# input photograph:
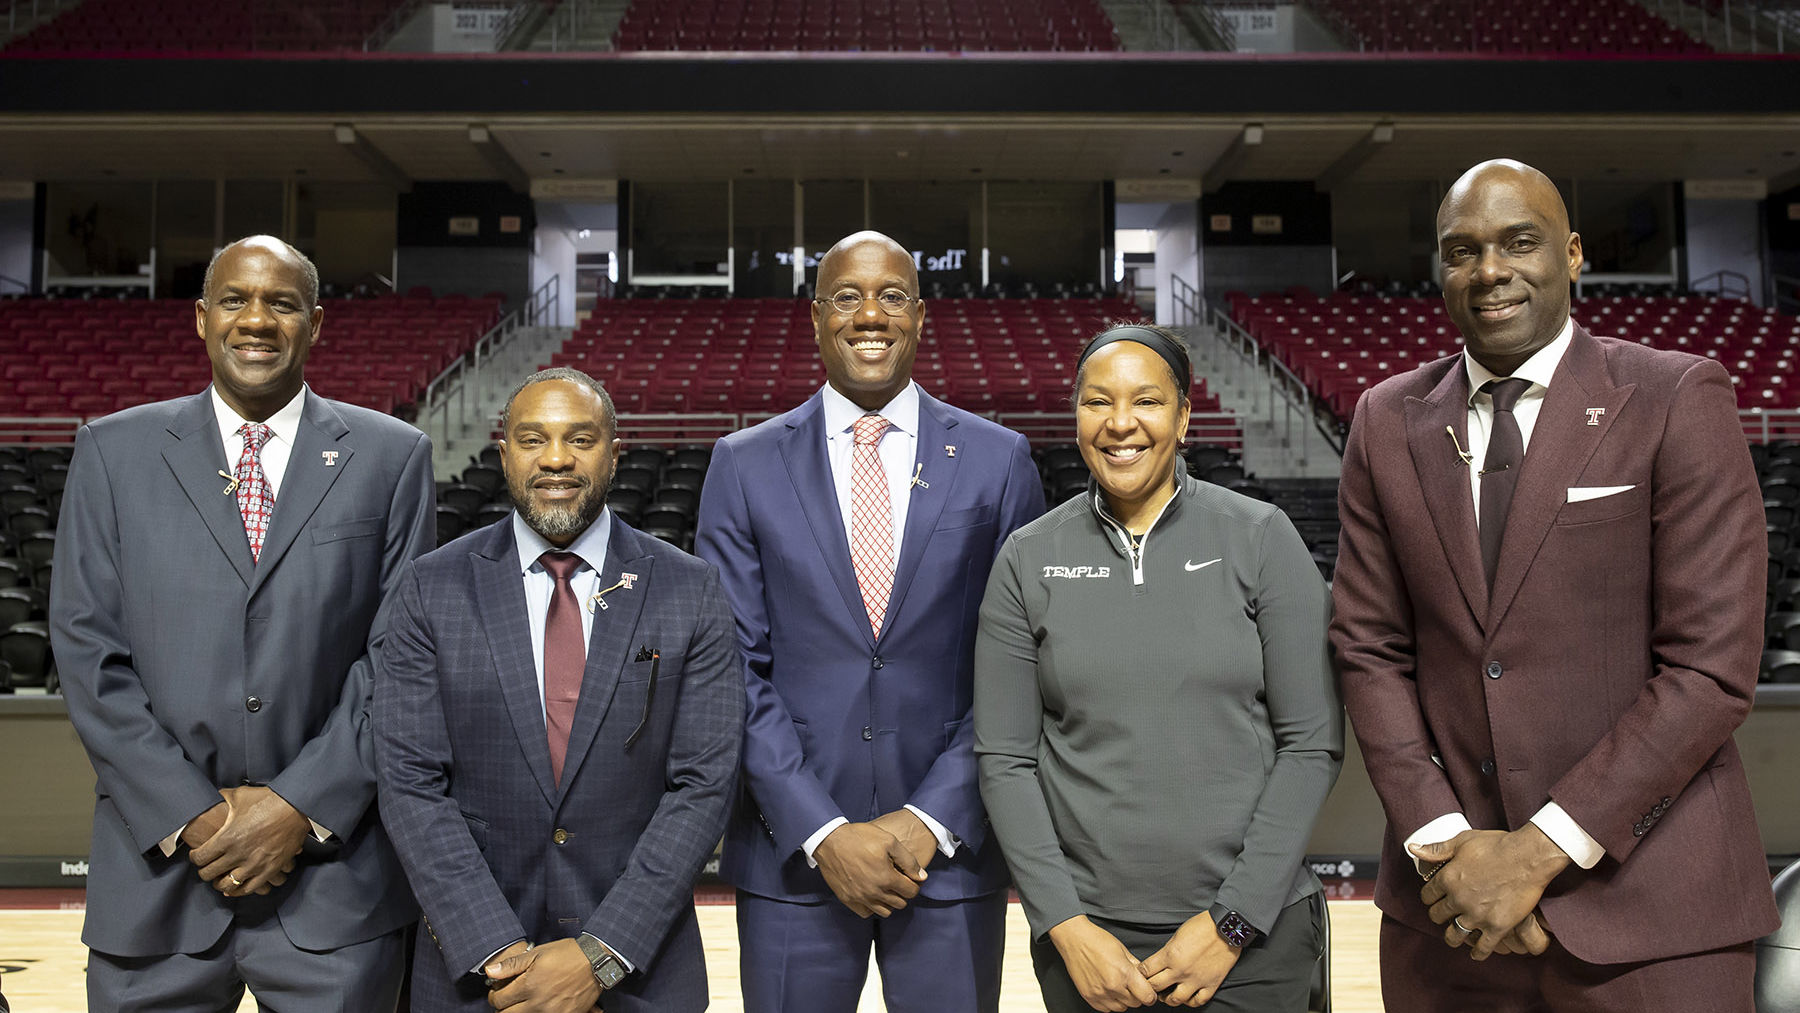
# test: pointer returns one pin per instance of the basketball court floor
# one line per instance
(42, 959)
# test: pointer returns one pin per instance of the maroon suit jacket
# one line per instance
(1608, 668)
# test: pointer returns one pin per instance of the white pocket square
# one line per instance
(1583, 494)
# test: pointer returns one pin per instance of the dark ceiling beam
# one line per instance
(368, 154)
(1366, 147)
(497, 158)
(1232, 159)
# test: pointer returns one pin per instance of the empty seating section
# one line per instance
(205, 25)
(1340, 345)
(757, 356)
(77, 358)
(1603, 26)
(31, 483)
(865, 25)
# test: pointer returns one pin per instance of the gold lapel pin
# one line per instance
(230, 478)
(625, 582)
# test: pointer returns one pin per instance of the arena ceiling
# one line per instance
(663, 147)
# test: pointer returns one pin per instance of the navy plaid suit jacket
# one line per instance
(494, 847)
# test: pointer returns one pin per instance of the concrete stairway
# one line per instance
(580, 25)
(466, 415)
(1148, 26)
(1280, 439)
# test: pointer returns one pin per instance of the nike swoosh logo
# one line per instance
(1192, 566)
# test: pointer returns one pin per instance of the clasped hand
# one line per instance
(247, 843)
(552, 978)
(1491, 881)
(874, 868)
(1187, 971)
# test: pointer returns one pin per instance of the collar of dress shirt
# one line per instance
(285, 422)
(1538, 369)
(590, 545)
(902, 412)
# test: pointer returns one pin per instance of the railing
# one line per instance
(1765, 425)
(39, 428)
(446, 401)
(1209, 15)
(391, 24)
(7, 279)
(1721, 284)
(1787, 293)
(515, 19)
(24, 15)
(1258, 372)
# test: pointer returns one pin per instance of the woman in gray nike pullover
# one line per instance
(1155, 716)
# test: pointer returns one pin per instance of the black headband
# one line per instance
(1169, 351)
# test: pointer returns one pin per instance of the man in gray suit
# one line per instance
(221, 562)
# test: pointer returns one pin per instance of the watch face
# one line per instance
(1235, 930)
(609, 971)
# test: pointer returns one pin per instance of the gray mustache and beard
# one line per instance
(559, 520)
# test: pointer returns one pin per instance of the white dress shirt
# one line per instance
(1556, 824)
(899, 452)
(285, 425)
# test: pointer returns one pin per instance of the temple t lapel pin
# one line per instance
(625, 582)
(1594, 414)
(949, 450)
(330, 457)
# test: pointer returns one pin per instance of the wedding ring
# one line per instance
(1457, 921)
(235, 882)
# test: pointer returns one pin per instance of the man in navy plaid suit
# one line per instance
(557, 724)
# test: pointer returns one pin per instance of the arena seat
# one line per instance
(865, 25)
(1537, 26)
(99, 26)
(71, 357)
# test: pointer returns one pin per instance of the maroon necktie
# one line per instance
(255, 500)
(565, 656)
(1500, 469)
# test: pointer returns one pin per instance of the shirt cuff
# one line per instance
(173, 841)
(629, 967)
(320, 834)
(1436, 832)
(947, 841)
(812, 843)
(481, 968)
(1567, 834)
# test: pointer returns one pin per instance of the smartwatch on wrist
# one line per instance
(1232, 927)
(608, 969)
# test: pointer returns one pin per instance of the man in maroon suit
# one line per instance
(1548, 616)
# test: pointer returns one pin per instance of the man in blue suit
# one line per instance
(854, 536)
(557, 731)
(222, 561)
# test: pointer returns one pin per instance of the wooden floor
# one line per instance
(41, 961)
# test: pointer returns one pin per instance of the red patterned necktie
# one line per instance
(256, 501)
(871, 520)
(565, 656)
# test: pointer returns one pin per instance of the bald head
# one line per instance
(1532, 185)
(309, 274)
(829, 265)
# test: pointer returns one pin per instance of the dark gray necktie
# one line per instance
(1500, 469)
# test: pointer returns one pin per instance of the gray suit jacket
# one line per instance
(497, 849)
(164, 630)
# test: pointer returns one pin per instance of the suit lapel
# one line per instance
(610, 640)
(1561, 444)
(803, 450)
(196, 457)
(500, 591)
(306, 481)
(937, 472)
(1444, 479)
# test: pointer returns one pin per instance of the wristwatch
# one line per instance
(1232, 927)
(608, 969)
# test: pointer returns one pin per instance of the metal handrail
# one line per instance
(40, 9)
(1277, 377)
(497, 347)
(39, 429)
(1763, 425)
(391, 24)
(1720, 278)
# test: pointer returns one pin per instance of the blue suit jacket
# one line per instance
(495, 848)
(842, 723)
(164, 628)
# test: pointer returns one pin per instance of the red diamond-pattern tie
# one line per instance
(256, 501)
(565, 656)
(871, 520)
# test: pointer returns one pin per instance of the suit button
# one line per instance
(875, 662)
(1667, 802)
(561, 836)
(1637, 831)
(1487, 767)
(253, 704)
(1494, 670)
(868, 733)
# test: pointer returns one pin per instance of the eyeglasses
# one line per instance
(892, 301)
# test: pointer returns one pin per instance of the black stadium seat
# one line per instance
(26, 647)
(464, 499)
(451, 524)
(1781, 666)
